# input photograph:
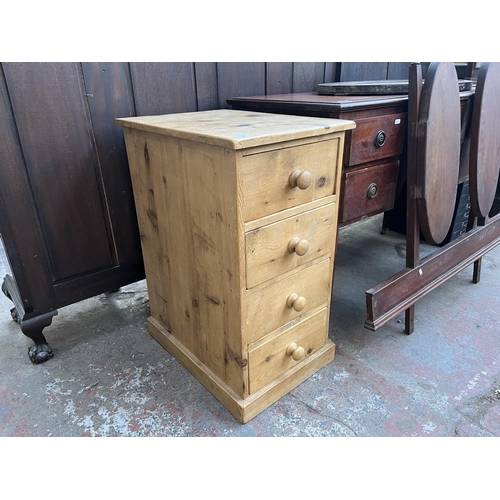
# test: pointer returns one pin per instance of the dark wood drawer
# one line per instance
(368, 191)
(376, 138)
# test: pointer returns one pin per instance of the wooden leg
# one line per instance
(412, 222)
(385, 224)
(32, 328)
(410, 320)
(476, 273)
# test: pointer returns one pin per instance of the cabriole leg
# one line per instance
(33, 328)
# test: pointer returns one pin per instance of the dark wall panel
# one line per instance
(398, 70)
(307, 75)
(54, 129)
(331, 71)
(163, 87)
(206, 85)
(279, 78)
(109, 95)
(237, 79)
(363, 71)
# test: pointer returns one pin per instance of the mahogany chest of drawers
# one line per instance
(238, 219)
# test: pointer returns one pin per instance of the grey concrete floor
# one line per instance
(109, 377)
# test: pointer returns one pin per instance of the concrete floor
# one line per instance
(109, 377)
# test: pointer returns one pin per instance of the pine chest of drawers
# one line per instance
(238, 221)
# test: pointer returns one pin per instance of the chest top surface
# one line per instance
(305, 102)
(314, 100)
(236, 129)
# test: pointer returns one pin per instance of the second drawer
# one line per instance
(285, 245)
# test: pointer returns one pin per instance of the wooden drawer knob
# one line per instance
(295, 351)
(296, 301)
(300, 179)
(300, 247)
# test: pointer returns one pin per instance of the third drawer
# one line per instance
(282, 301)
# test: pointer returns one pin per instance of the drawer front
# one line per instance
(376, 138)
(368, 191)
(276, 180)
(286, 350)
(277, 304)
(283, 246)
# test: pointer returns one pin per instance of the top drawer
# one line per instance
(268, 184)
(376, 138)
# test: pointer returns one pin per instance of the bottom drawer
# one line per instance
(369, 191)
(282, 352)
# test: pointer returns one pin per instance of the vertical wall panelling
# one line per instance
(236, 79)
(163, 87)
(363, 71)
(398, 71)
(307, 75)
(206, 85)
(279, 77)
(109, 96)
(331, 72)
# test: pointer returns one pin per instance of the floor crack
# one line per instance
(314, 410)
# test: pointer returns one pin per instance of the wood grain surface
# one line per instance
(484, 163)
(438, 151)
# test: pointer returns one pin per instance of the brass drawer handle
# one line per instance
(380, 139)
(372, 191)
(296, 301)
(295, 351)
(300, 179)
(300, 247)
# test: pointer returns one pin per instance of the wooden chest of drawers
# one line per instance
(238, 219)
